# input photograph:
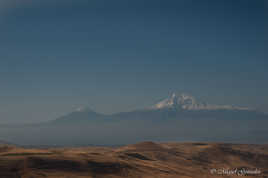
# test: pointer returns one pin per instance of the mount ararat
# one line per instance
(176, 106)
(177, 118)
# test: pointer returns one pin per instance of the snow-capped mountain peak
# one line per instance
(188, 102)
(183, 101)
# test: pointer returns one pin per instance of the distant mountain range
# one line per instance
(174, 107)
(177, 118)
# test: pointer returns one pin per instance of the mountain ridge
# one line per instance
(176, 106)
(178, 123)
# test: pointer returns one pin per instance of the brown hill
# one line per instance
(143, 160)
(149, 146)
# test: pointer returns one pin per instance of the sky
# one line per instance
(122, 55)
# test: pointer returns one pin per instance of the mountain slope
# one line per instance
(80, 116)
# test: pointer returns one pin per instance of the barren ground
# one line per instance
(143, 160)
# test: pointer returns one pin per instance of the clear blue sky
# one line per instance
(122, 55)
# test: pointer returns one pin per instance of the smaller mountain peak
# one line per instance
(83, 109)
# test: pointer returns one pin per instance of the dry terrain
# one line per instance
(143, 160)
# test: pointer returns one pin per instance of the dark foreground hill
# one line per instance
(143, 160)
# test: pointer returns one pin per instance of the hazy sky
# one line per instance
(122, 55)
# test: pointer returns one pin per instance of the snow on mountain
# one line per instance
(83, 109)
(188, 102)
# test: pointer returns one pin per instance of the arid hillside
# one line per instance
(143, 160)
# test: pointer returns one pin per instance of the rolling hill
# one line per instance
(146, 160)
